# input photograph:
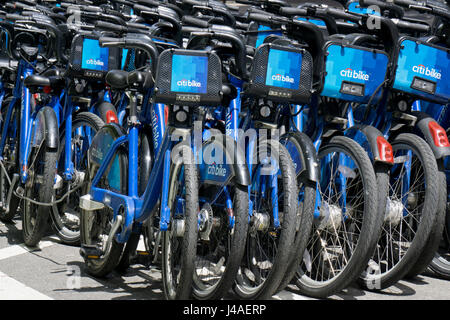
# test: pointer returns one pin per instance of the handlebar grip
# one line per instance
(442, 12)
(19, 5)
(194, 2)
(138, 7)
(110, 26)
(152, 3)
(263, 18)
(111, 42)
(242, 25)
(411, 26)
(288, 11)
(135, 25)
(340, 14)
(406, 3)
(187, 30)
(13, 16)
(195, 22)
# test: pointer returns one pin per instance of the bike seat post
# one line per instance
(133, 140)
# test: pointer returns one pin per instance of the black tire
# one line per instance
(35, 217)
(66, 214)
(440, 264)
(305, 218)
(144, 169)
(432, 244)
(225, 244)
(178, 252)
(95, 226)
(341, 262)
(128, 252)
(260, 275)
(11, 163)
(414, 228)
(92, 227)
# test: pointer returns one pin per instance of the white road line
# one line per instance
(11, 289)
(18, 249)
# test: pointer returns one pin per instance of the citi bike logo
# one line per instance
(279, 77)
(95, 62)
(189, 83)
(354, 74)
(421, 69)
(217, 170)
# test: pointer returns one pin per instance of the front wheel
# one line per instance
(179, 241)
(346, 223)
(38, 189)
(410, 213)
(440, 264)
(271, 232)
(66, 214)
(10, 166)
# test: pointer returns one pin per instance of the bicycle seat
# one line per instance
(117, 79)
(50, 78)
(140, 80)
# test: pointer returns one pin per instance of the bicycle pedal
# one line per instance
(90, 252)
(144, 258)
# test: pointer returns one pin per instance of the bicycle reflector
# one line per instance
(385, 150)
(439, 135)
(111, 117)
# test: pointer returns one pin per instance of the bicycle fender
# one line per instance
(368, 137)
(232, 163)
(51, 128)
(107, 112)
(429, 129)
(303, 154)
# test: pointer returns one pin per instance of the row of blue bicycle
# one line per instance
(240, 147)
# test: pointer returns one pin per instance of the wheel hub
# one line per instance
(259, 222)
(205, 217)
(394, 212)
(331, 216)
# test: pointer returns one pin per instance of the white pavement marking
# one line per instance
(11, 289)
(17, 249)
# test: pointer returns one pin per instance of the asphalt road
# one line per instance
(56, 271)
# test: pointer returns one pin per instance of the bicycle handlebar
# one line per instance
(127, 43)
(196, 22)
(411, 26)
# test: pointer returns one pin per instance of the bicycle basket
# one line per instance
(353, 73)
(282, 74)
(89, 60)
(189, 78)
(423, 70)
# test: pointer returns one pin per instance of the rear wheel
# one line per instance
(96, 225)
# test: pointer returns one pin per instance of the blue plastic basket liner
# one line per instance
(264, 32)
(423, 70)
(354, 74)
(93, 56)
